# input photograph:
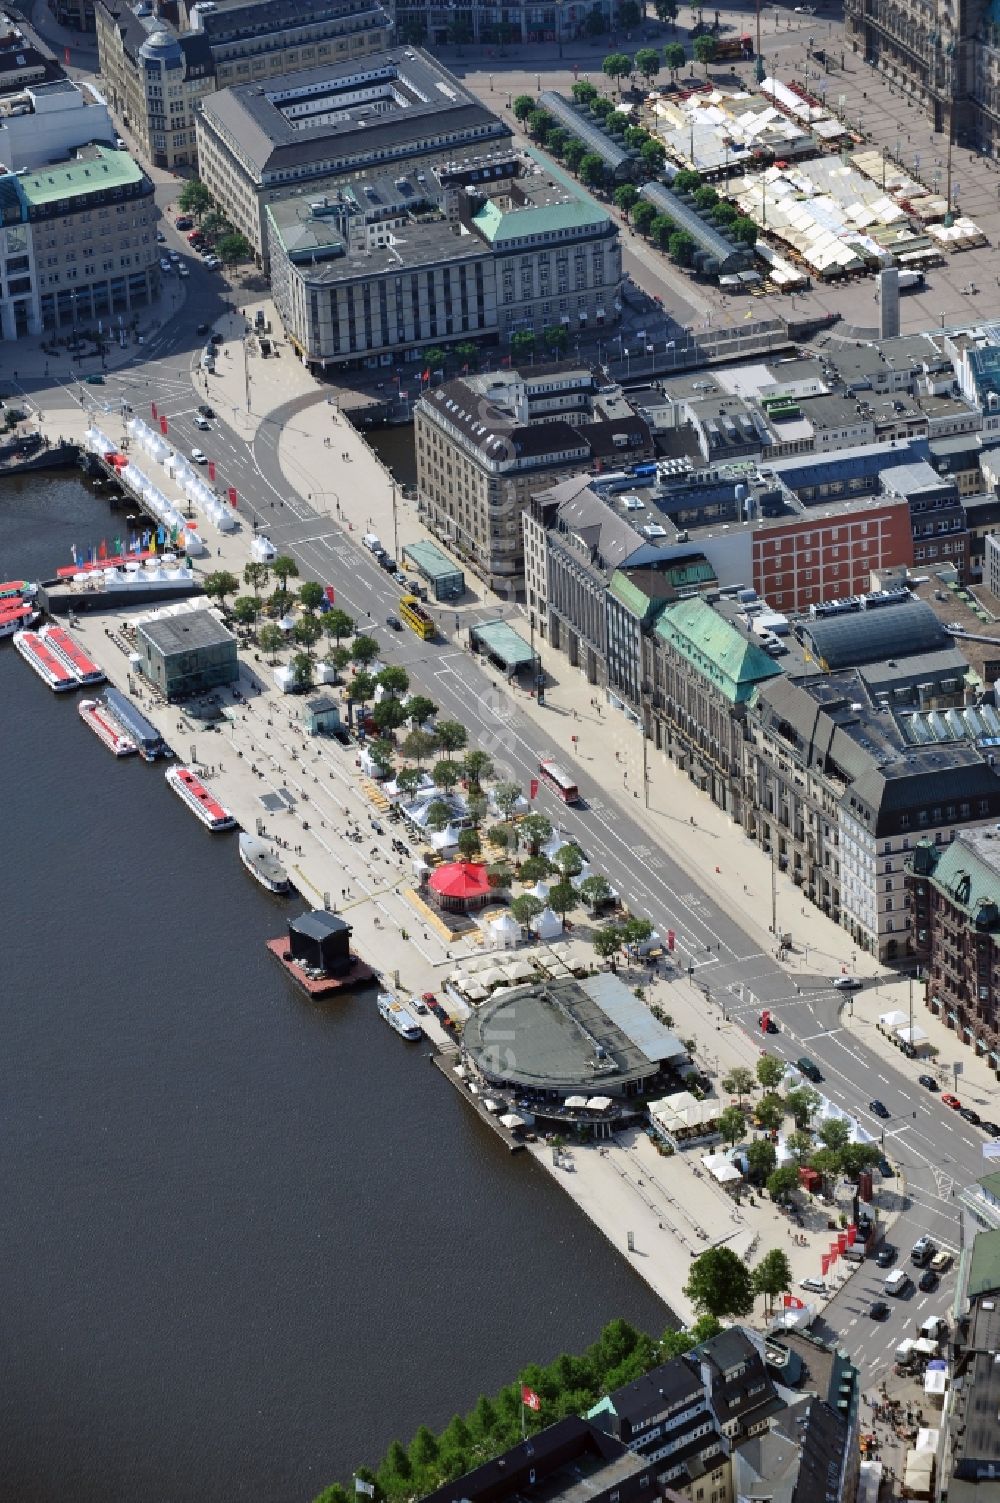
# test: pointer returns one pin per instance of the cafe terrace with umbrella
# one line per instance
(583, 1052)
(459, 886)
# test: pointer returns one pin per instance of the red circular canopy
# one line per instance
(460, 879)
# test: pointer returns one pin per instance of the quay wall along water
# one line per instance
(210, 1183)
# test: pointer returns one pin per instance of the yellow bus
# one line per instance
(416, 618)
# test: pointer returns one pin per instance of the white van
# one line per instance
(371, 542)
(897, 1283)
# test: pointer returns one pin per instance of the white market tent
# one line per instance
(683, 1113)
(722, 1170)
(599, 1103)
(575, 1103)
(505, 932)
(889, 1021)
(540, 891)
(546, 924)
(511, 1121)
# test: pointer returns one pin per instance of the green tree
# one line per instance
(338, 659)
(424, 1450)
(642, 216)
(732, 1124)
(364, 650)
(361, 688)
(607, 940)
(499, 837)
(445, 774)
(803, 1103)
(636, 931)
(284, 568)
(772, 1276)
(719, 1284)
(409, 780)
(468, 840)
(782, 1182)
(744, 229)
(661, 230)
(215, 223)
(770, 1071)
(636, 138)
(534, 830)
(477, 767)
(625, 197)
(233, 247)
(539, 124)
(271, 639)
(705, 48)
(255, 577)
(602, 108)
(592, 170)
(854, 1157)
(311, 594)
(451, 736)
(681, 248)
(525, 907)
(535, 869)
(556, 142)
(334, 1494)
(687, 181)
(438, 815)
(382, 753)
(629, 14)
(739, 1082)
(800, 1145)
(505, 796)
(220, 584)
(647, 62)
(674, 56)
(562, 899)
(394, 680)
(419, 745)
(523, 106)
(762, 1156)
(574, 154)
(245, 609)
(834, 1134)
(568, 860)
(556, 338)
(388, 714)
(705, 198)
(595, 891)
(770, 1112)
(724, 214)
(419, 709)
(302, 671)
(666, 10)
(338, 624)
(396, 1468)
(826, 1162)
(468, 353)
(583, 93)
(307, 632)
(653, 157)
(522, 344)
(194, 198)
(617, 65)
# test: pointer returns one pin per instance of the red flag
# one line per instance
(825, 1263)
(66, 56)
(155, 413)
(232, 495)
(529, 1398)
(671, 940)
(834, 1253)
(163, 426)
(330, 593)
(852, 1235)
(426, 375)
(211, 470)
(841, 1242)
(792, 1302)
(102, 551)
(533, 789)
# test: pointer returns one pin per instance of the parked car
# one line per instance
(202, 329)
(217, 339)
(95, 380)
(949, 1100)
(166, 265)
(992, 1128)
(161, 238)
(928, 1082)
(878, 1108)
(928, 1281)
(212, 262)
(968, 1115)
(185, 222)
(182, 271)
(174, 256)
(815, 1286)
(847, 983)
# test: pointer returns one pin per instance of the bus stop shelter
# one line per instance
(442, 574)
(503, 646)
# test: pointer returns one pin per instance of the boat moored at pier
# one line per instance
(399, 1017)
(50, 669)
(263, 865)
(199, 798)
(15, 615)
(93, 713)
(61, 642)
(134, 725)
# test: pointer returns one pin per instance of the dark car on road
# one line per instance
(206, 411)
(809, 1068)
(928, 1082)
(928, 1281)
(878, 1108)
(879, 1310)
(886, 1255)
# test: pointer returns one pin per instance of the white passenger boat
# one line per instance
(398, 1018)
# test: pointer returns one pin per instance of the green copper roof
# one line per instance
(720, 652)
(970, 882)
(634, 599)
(90, 174)
(984, 1266)
(497, 225)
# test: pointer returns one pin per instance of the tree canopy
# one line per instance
(719, 1284)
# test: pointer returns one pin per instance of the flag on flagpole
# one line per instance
(792, 1302)
(426, 375)
(533, 789)
(361, 1486)
(152, 543)
(529, 1398)
(102, 549)
(852, 1234)
(73, 554)
(159, 536)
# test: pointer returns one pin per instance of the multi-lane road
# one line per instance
(934, 1151)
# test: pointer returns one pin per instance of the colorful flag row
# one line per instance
(139, 542)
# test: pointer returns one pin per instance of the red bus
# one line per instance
(559, 780)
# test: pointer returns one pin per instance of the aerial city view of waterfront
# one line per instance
(502, 918)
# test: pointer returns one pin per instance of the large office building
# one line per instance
(315, 129)
(156, 74)
(441, 23)
(46, 122)
(78, 241)
(486, 444)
